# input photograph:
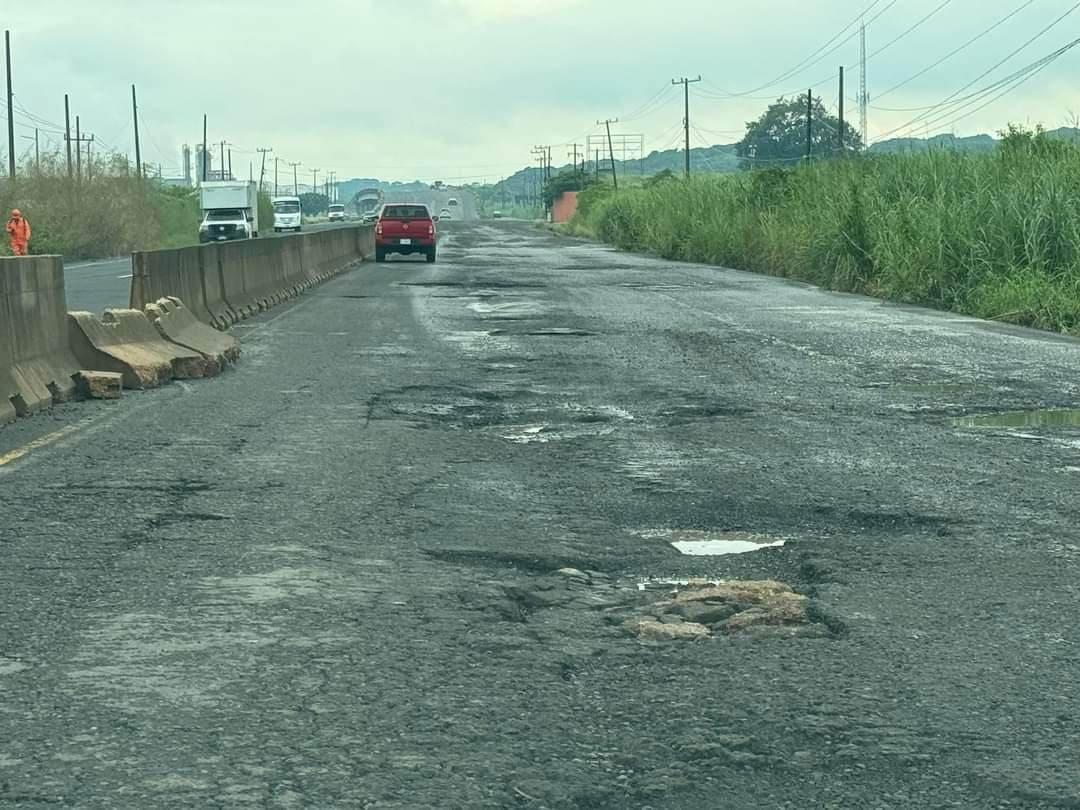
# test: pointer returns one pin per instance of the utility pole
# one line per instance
(10, 107)
(295, 183)
(864, 98)
(611, 149)
(685, 82)
(135, 118)
(262, 169)
(204, 157)
(315, 181)
(78, 151)
(276, 161)
(37, 150)
(67, 132)
(230, 164)
(809, 125)
(841, 135)
(89, 160)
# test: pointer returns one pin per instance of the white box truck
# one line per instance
(288, 215)
(230, 211)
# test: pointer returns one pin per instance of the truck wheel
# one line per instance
(431, 256)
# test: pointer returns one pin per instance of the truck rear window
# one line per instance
(405, 212)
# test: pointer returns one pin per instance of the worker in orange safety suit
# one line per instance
(18, 229)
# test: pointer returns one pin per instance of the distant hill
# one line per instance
(973, 143)
(712, 159)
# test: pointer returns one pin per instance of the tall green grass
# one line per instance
(995, 236)
(107, 213)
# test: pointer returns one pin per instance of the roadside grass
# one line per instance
(995, 236)
(108, 213)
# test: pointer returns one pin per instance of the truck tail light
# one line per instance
(378, 229)
(431, 229)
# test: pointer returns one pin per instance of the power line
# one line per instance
(951, 105)
(954, 52)
(809, 62)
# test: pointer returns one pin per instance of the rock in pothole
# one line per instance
(752, 607)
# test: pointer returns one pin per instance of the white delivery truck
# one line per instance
(230, 211)
(287, 214)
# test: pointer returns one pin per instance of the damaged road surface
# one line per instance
(545, 525)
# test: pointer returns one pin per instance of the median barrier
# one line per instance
(221, 315)
(36, 366)
(230, 281)
(176, 323)
(158, 273)
(124, 341)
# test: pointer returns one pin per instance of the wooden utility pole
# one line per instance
(78, 151)
(315, 181)
(276, 161)
(295, 182)
(611, 149)
(205, 159)
(841, 131)
(685, 82)
(262, 169)
(135, 118)
(10, 107)
(809, 125)
(67, 132)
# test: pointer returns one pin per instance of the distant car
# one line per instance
(405, 229)
(445, 214)
(371, 216)
(497, 214)
(337, 212)
(452, 202)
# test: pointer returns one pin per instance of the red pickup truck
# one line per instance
(405, 228)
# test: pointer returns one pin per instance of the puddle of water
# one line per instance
(1021, 419)
(697, 543)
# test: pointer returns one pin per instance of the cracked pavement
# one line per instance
(331, 576)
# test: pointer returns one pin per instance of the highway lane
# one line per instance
(331, 576)
(94, 286)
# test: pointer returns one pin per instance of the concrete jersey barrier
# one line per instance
(124, 341)
(178, 325)
(36, 365)
(223, 283)
(156, 274)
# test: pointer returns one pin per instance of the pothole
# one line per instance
(759, 608)
(697, 543)
(1021, 419)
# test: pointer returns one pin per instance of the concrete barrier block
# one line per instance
(36, 366)
(99, 384)
(178, 325)
(124, 341)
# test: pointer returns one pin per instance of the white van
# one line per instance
(287, 215)
(337, 212)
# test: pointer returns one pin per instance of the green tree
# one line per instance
(312, 204)
(566, 180)
(778, 137)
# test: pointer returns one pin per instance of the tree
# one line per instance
(778, 137)
(566, 180)
(312, 204)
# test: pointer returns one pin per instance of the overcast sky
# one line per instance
(463, 89)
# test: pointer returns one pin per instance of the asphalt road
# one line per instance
(97, 285)
(328, 577)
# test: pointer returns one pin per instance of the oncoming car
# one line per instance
(337, 212)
